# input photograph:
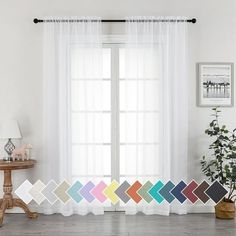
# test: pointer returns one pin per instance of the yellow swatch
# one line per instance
(109, 192)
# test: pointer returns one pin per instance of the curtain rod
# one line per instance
(36, 21)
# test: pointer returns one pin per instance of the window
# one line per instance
(138, 116)
(91, 116)
(124, 109)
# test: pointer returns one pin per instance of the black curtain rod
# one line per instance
(193, 20)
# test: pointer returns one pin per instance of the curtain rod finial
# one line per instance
(36, 21)
(194, 20)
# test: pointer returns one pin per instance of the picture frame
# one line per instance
(215, 84)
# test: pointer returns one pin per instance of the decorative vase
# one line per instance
(28, 153)
(225, 210)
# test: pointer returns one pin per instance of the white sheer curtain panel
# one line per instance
(71, 127)
(155, 116)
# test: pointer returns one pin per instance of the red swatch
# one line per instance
(188, 191)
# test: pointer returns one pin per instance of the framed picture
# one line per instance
(215, 84)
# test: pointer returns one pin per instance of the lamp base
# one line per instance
(9, 147)
(9, 159)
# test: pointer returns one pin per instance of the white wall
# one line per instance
(213, 38)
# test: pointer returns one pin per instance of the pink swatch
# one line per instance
(97, 191)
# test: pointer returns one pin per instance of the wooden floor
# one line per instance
(118, 224)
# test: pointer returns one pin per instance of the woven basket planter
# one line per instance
(225, 210)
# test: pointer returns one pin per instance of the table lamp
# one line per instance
(9, 129)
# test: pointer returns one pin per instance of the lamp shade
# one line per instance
(9, 129)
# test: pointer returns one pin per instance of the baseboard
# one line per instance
(191, 209)
(201, 209)
(14, 210)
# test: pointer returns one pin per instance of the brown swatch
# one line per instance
(200, 191)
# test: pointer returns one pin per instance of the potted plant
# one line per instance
(221, 165)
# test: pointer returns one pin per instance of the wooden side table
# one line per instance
(8, 202)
